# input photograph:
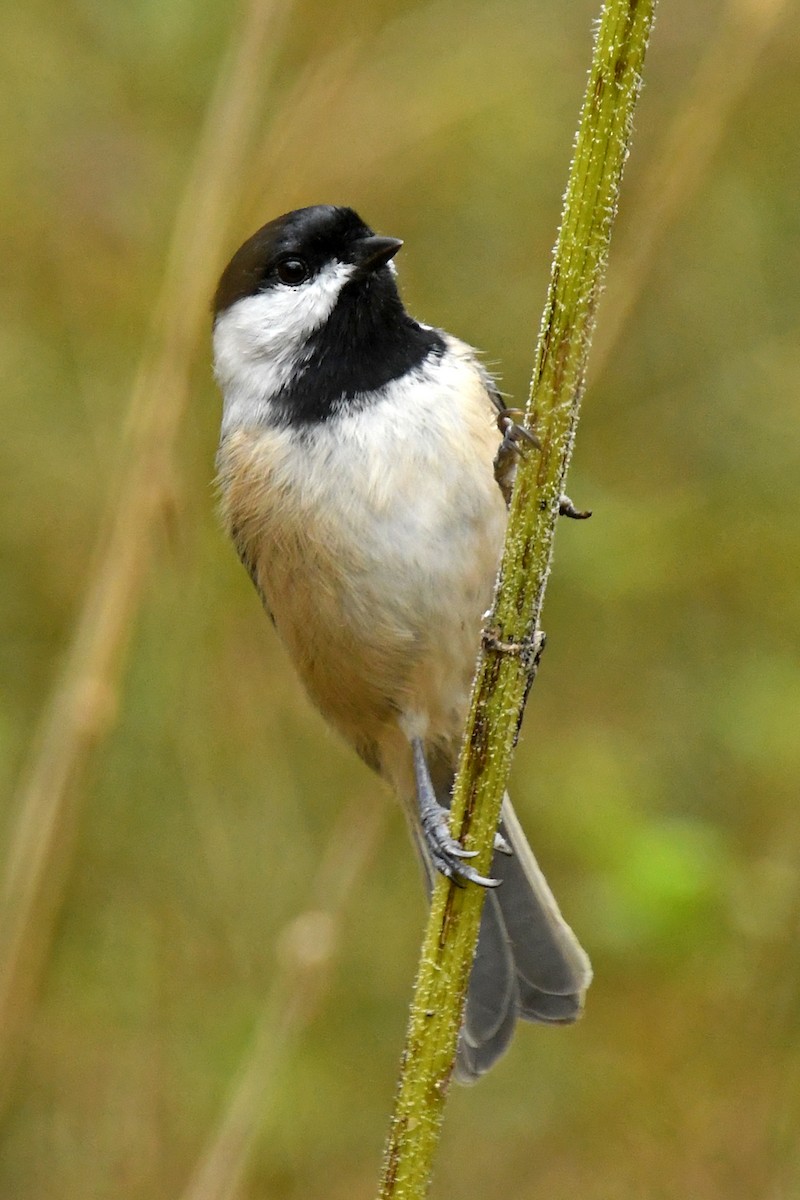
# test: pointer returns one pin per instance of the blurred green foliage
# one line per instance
(658, 772)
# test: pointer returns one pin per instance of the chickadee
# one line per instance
(358, 482)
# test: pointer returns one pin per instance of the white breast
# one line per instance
(375, 538)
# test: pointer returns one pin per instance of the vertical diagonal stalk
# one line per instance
(83, 703)
(512, 643)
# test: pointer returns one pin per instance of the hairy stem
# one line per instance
(512, 642)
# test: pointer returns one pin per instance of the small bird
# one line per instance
(363, 469)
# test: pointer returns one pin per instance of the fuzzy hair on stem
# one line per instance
(503, 679)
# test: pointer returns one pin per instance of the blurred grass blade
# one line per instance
(306, 950)
(83, 704)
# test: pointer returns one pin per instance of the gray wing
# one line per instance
(528, 965)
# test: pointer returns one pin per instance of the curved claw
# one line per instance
(483, 881)
(567, 509)
(448, 856)
(501, 845)
(445, 852)
(461, 873)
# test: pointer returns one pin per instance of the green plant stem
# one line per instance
(511, 642)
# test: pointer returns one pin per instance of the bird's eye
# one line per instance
(292, 271)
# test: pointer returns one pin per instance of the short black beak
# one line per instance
(370, 253)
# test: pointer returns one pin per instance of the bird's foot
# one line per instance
(515, 435)
(567, 509)
(516, 439)
(447, 855)
(529, 649)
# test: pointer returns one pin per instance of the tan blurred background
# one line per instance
(211, 916)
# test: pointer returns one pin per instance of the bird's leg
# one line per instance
(515, 437)
(512, 447)
(446, 854)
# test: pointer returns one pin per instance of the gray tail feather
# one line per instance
(529, 965)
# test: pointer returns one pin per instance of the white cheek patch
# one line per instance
(260, 341)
